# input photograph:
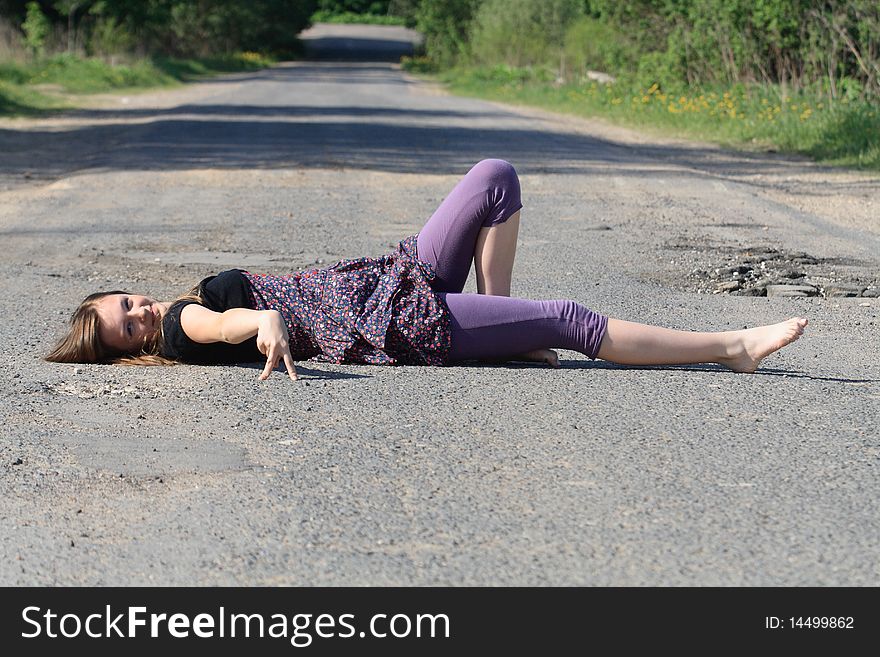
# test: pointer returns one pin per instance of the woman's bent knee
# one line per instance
(498, 172)
(501, 184)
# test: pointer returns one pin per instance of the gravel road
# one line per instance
(594, 474)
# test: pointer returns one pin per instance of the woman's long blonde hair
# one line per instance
(82, 343)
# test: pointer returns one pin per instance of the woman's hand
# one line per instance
(272, 343)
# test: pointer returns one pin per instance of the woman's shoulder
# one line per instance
(225, 290)
(224, 278)
(218, 292)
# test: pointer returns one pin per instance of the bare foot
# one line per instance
(540, 356)
(750, 346)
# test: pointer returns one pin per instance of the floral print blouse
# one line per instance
(370, 310)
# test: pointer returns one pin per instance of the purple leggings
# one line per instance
(486, 326)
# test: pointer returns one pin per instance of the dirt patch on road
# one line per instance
(761, 270)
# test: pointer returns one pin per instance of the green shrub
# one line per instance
(445, 24)
(36, 28)
(419, 64)
(590, 44)
(109, 37)
(660, 68)
(521, 32)
(187, 27)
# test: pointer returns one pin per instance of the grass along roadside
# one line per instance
(758, 117)
(29, 88)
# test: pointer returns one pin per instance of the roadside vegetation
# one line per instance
(795, 76)
(50, 50)
(46, 84)
(370, 12)
(759, 117)
(789, 75)
(351, 17)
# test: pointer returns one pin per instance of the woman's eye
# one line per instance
(128, 327)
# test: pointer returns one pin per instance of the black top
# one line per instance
(228, 289)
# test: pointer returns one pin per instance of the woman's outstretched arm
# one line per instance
(236, 325)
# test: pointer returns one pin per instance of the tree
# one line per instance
(69, 8)
(36, 28)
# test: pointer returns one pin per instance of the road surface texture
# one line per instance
(481, 474)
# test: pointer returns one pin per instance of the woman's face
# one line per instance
(127, 321)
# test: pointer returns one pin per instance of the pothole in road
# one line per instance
(763, 270)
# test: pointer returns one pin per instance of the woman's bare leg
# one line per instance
(494, 254)
(629, 343)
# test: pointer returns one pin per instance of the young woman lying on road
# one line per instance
(406, 307)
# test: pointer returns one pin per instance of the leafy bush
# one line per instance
(445, 24)
(109, 37)
(185, 27)
(521, 32)
(592, 45)
(419, 64)
(36, 28)
(795, 43)
(661, 68)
